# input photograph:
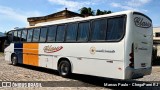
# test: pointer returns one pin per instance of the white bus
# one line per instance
(117, 45)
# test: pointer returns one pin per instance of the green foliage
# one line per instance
(89, 12)
(99, 12)
(86, 11)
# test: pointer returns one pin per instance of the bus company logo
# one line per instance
(139, 22)
(92, 50)
(51, 49)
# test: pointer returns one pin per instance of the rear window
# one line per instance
(157, 34)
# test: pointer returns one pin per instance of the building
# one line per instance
(156, 35)
(52, 17)
(156, 41)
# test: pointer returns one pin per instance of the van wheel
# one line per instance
(14, 60)
(64, 68)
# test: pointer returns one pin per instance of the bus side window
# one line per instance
(36, 35)
(71, 32)
(24, 36)
(51, 34)
(83, 31)
(43, 34)
(10, 36)
(15, 39)
(115, 29)
(19, 36)
(99, 29)
(29, 35)
(60, 33)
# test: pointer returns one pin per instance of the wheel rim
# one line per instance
(64, 69)
(14, 60)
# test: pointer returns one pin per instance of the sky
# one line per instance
(14, 13)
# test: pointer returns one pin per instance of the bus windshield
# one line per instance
(8, 39)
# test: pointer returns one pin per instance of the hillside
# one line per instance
(1, 34)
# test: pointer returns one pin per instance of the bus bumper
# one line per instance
(137, 73)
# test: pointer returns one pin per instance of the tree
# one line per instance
(99, 12)
(83, 10)
(86, 11)
(109, 12)
(89, 12)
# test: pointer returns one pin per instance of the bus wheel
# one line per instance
(64, 68)
(14, 60)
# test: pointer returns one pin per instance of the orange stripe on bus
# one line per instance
(30, 56)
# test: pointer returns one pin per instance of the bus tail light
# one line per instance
(132, 57)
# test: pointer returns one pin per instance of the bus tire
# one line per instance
(64, 68)
(14, 60)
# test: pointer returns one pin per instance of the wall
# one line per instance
(155, 30)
